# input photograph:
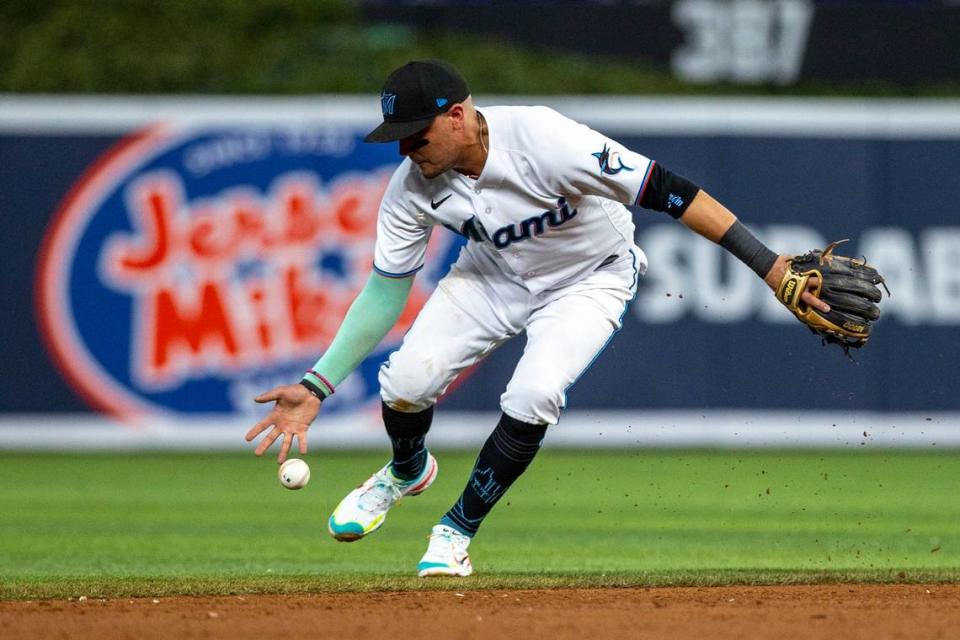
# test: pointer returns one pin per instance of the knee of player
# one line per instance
(533, 403)
(406, 388)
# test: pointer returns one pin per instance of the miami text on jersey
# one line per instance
(472, 229)
(534, 225)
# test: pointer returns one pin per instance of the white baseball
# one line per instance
(294, 473)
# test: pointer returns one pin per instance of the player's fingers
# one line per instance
(285, 447)
(302, 440)
(268, 441)
(268, 396)
(815, 302)
(256, 429)
(809, 298)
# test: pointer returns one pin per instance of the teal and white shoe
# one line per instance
(446, 554)
(364, 509)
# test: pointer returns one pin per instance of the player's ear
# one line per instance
(458, 115)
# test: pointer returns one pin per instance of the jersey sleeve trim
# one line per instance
(388, 274)
(643, 185)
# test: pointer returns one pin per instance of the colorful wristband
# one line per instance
(319, 382)
(314, 389)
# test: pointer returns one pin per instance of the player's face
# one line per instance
(434, 149)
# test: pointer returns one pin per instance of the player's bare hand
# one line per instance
(776, 273)
(290, 418)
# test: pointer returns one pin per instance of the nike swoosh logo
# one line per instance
(436, 205)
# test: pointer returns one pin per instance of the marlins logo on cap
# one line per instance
(387, 102)
(414, 95)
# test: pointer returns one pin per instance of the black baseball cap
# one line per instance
(414, 95)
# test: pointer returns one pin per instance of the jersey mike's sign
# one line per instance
(190, 269)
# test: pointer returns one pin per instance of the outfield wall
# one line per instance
(105, 319)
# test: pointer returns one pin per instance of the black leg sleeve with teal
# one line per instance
(408, 432)
(504, 457)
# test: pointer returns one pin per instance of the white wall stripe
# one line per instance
(781, 117)
(593, 429)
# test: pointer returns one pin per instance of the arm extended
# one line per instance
(371, 316)
(713, 221)
(699, 211)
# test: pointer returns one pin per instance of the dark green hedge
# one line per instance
(288, 46)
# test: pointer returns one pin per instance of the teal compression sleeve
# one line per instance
(371, 316)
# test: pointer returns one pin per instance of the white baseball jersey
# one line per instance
(546, 210)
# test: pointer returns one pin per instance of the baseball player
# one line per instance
(550, 251)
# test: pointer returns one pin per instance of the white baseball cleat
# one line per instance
(446, 555)
(365, 508)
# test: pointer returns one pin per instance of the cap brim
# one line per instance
(393, 131)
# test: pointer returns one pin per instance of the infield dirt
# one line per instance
(834, 611)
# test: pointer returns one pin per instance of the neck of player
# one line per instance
(474, 156)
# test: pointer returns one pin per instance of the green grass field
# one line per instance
(159, 524)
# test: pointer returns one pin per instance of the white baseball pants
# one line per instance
(476, 308)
